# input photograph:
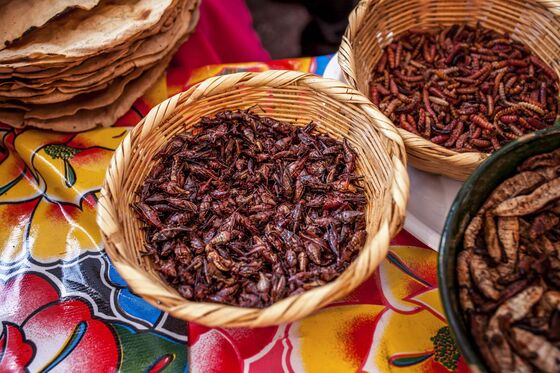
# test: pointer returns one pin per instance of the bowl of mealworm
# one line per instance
(499, 259)
(460, 79)
(254, 199)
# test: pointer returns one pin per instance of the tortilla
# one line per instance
(148, 52)
(99, 93)
(25, 79)
(88, 101)
(52, 67)
(88, 119)
(84, 33)
(101, 86)
(19, 16)
(97, 98)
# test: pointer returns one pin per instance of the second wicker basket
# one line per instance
(374, 24)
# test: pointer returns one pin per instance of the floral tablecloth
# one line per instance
(63, 306)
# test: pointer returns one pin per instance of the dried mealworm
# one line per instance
(482, 122)
(464, 278)
(491, 238)
(521, 183)
(544, 355)
(508, 233)
(527, 204)
(482, 277)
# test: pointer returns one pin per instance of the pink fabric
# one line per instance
(224, 34)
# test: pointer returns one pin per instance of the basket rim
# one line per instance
(346, 60)
(390, 221)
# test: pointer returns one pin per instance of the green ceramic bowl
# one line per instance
(500, 166)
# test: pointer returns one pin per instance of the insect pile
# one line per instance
(509, 270)
(465, 88)
(247, 210)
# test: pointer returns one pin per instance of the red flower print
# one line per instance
(43, 332)
(230, 350)
(15, 351)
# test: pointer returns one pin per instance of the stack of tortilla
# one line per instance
(72, 65)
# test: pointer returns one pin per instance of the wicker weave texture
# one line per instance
(374, 24)
(285, 95)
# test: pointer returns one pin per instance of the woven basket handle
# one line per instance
(345, 55)
(274, 79)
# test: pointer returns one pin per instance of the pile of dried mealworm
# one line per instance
(509, 270)
(465, 88)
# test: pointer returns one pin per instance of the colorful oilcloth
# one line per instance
(63, 306)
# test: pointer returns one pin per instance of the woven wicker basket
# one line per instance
(374, 24)
(285, 95)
